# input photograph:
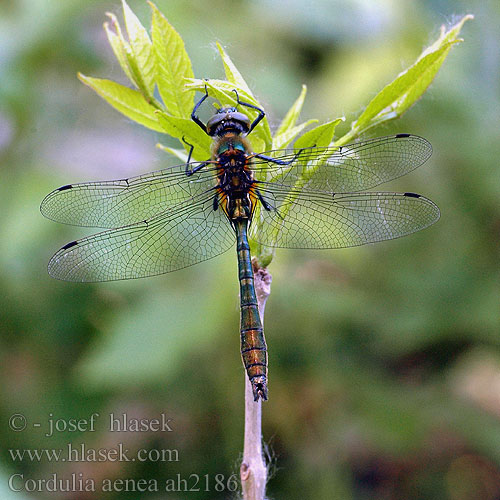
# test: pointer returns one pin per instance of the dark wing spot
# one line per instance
(402, 135)
(69, 245)
(412, 195)
(63, 188)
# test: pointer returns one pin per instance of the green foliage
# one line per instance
(164, 63)
(321, 136)
(394, 99)
(128, 101)
(171, 60)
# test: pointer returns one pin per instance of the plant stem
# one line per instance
(253, 470)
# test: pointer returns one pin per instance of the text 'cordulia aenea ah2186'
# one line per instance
(174, 218)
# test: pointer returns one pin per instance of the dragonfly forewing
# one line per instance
(355, 167)
(111, 204)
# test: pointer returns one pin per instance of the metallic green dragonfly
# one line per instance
(173, 218)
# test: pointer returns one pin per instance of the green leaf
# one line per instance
(222, 90)
(409, 85)
(119, 45)
(288, 135)
(320, 136)
(232, 73)
(187, 129)
(293, 113)
(258, 145)
(127, 101)
(172, 66)
(448, 36)
(141, 59)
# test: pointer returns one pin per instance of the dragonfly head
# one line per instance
(228, 119)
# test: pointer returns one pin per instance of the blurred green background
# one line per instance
(384, 359)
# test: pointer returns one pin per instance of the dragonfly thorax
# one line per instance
(229, 146)
(234, 177)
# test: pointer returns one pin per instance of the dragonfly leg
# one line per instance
(265, 204)
(191, 147)
(195, 109)
(279, 162)
(191, 171)
(248, 105)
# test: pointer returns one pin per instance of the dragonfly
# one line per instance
(173, 218)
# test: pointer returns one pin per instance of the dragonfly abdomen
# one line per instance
(253, 344)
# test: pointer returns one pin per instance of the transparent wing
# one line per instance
(194, 232)
(308, 219)
(110, 204)
(355, 167)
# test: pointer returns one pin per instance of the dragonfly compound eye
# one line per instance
(228, 118)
